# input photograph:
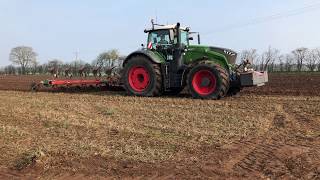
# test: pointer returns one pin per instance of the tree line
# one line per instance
(24, 61)
(300, 59)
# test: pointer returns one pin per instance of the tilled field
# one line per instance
(19, 83)
(279, 84)
(106, 134)
(289, 84)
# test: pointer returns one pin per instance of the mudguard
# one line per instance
(152, 55)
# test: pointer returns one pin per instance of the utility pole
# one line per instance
(156, 16)
(77, 55)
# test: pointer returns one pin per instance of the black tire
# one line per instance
(154, 87)
(221, 76)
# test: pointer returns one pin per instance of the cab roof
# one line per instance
(164, 27)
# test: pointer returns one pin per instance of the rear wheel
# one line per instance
(142, 77)
(208, 81)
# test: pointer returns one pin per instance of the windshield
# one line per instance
(161, 37)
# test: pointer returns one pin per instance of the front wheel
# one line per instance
(208, 81)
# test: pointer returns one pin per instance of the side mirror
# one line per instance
(190, 38)
(199, 38)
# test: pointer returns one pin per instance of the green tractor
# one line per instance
(169, 64)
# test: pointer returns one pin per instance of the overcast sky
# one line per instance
(59, 28)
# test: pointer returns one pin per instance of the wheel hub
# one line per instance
(205, 82)
(140, 78)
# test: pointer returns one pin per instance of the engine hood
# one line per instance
(230, 54)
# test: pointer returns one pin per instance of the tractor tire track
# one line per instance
(256, 160)
(270, 157)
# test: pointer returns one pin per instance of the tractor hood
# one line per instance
(230, 54)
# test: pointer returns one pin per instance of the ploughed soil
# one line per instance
(95, 135)
(289, 84)
(279, 84)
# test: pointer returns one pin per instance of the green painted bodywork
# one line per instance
(157, 56)
(151, 54)
(192, 54)
(197, 52)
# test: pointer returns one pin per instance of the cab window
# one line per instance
(161, 37)
(184, 38)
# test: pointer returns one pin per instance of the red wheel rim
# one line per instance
(204, 82)
(139, 78)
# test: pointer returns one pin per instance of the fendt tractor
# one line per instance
(169, 64)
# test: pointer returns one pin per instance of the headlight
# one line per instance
(229, 53)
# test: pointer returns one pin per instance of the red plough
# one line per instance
(80, 83)
(72, 82)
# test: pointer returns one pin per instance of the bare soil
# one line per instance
(97, 135)
(289, 84)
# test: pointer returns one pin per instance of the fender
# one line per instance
(153, 56)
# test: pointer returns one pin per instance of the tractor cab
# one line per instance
(166, 36)
(165, 39)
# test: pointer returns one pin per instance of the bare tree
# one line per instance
(269, 57)
(76, 65)
(281, 63)
(97, 62)
(10, 69)
(121, 60)
(113, 56)
(250, 55)
(289, 62)
(97, 65)
(300, 55)
(34, 67)
(311, 59)
(317, 51)
(41, 69)
(84, 70)
(55, 66)
(261, 61)
(108, 58)
(102, 61)
(23, 56)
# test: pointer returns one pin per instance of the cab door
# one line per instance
(162, 42)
